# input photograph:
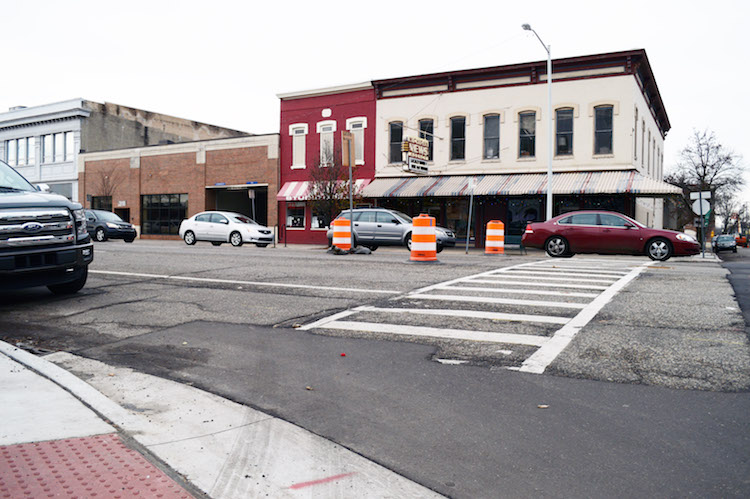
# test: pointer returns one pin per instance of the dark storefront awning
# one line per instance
(524, 184)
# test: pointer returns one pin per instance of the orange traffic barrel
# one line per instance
(423, 239)
(494, 242)
(342, 234)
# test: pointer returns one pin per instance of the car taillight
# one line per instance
(529, 230)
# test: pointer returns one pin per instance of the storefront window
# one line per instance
(162, 213)
(320, 220)
(295, 215)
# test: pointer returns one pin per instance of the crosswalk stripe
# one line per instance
(475, 314)
(432, 332)
(502, 301)
(583, 270)
(541, 284)
(567, 274)
(530, 275)
(524, 291)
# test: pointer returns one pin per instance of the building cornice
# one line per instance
(354, 87)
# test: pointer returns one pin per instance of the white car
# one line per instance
(222, 226)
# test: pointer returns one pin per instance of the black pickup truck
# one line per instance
(43, 238)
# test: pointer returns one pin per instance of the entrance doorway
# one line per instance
(251, 202)
(123, 213)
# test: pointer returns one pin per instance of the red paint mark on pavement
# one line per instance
(302, 485)
(93, 467)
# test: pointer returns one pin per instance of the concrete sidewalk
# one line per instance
(121, 433)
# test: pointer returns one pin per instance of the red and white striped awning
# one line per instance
(604, 182)
(299, 191)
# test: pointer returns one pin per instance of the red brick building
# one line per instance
(310, 138)
(156, 187)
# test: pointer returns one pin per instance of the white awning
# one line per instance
(605, 182)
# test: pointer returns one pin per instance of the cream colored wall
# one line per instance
(582, 95)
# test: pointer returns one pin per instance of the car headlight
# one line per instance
(111, 225)
(685, 237)
(80, 218)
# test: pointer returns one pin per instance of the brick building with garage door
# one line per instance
(156, 187)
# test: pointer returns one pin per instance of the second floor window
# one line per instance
(426, 131)
(492, 136)
(603, 130)
(564, 142)
(299, 134)
(458, 138)
(395, 136)
(326, 129)
(358, 129)
(57, 147)
(527, 135)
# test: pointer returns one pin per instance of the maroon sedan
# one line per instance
(606, 232)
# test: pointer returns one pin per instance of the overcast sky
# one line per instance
(223, 62)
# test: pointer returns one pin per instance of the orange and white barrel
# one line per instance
(494, 242)
(423, 239)
(342, 234)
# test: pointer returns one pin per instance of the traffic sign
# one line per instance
(700, 195)
(701, 206)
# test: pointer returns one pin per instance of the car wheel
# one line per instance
(70, 287)
(189, 238)
(408, 241)
(659, 249)
(129, 240)
(556, 246)
(439, 248)
(100, 235)
(261, 245)
(236, 239)
(734, 250)
(216, 243)
(373, 247)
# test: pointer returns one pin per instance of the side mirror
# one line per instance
(395, 221)
(42, 187)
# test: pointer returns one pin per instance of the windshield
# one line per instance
(12, 180)
(726, 238)
(404, 217)
(244, 220)
(108, 216)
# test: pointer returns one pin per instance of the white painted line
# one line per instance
(248, 283)
(326, 320)
(460, 279)
(503, 301)
(541, 284)
(544, 272)
(452, 362)
(583, 269)
(542, 358)
(525, 291)
(433, 332)
(475, 314)
(530, 275)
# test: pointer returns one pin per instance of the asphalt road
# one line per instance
(470, 430)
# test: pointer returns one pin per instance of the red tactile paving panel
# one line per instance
(100, 466)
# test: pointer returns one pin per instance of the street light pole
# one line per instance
(550, 135)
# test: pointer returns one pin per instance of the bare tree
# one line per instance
(706, 165)
(329, 189)
(108, 180)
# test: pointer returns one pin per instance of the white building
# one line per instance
(491, 125)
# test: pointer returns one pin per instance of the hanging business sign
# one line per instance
(417, 154)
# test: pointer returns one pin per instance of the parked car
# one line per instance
(374, 227)
(725, 242)
(220, 227)
(102, 225)
(606, 232)
(43, 238)
(741, 240)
